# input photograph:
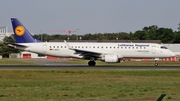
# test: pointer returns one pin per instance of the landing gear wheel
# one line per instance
(91, 63)
(156, 64)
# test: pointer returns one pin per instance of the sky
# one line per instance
(90, 16)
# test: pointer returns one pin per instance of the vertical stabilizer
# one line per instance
(21, 34)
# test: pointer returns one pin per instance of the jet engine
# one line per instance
(111, 58)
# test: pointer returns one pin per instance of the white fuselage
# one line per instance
(122, 50)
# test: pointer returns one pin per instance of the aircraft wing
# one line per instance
(88, 54)
(85, 53)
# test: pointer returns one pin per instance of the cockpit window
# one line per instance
(163, 47)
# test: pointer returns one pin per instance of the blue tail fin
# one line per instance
(21, 34)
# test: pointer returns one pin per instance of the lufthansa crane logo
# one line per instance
(19, 30)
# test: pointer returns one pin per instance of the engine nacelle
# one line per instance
(111, 58)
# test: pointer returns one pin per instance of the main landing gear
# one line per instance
(92, 62)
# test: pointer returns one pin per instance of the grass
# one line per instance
(96, 85)
(16, 62)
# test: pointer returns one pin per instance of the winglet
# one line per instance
(67, 44)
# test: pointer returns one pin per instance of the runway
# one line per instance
(85, 67)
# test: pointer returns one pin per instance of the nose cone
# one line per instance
(171, 54)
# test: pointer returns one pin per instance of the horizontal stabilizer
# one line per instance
(16, 45)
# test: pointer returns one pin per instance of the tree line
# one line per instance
(166, 35)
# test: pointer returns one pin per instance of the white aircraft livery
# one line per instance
(107, 52)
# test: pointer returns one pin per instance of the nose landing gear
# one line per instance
(155, 63)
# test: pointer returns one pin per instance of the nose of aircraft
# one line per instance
(171, 54)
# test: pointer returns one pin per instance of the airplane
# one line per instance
(107, 52)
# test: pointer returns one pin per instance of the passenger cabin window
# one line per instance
(163, 47)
